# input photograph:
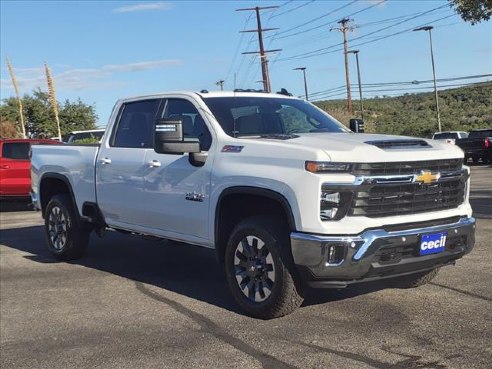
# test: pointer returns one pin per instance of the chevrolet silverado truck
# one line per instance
(287, 196)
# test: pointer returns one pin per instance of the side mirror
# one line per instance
(168, 138)
(357, 125)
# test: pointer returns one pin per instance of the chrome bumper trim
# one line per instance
(311, 251)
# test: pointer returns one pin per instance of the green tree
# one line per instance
(8, 128)
(462, 109)
(39, 119)
(473, 11)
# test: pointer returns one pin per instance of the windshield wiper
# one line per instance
(275, 136)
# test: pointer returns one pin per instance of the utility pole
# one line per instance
(436, 97)
(19, 100)
(356, 52)
(305, 82)
(344, 27)
(262, 52)
(221, 84)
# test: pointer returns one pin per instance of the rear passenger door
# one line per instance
(121, 167)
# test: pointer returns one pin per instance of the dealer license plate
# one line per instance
(433, 243)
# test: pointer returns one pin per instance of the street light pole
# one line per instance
(356, 52)
(305, 81)
(429, 28)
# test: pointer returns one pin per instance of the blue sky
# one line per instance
(104, 50)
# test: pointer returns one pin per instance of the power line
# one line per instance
(333, 20)
(402, 83)
(325, 51)
(314, 20)
(319, 51)
(291, 10)
(335, 94)
(237, 49)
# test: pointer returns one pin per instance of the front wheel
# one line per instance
(66, 240)
(259, 270)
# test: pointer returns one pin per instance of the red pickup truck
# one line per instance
(15, 166)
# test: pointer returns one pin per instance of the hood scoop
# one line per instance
(398, 144)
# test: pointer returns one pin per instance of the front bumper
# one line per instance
(337, 261)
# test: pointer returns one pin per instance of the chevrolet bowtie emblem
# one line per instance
(427, 177)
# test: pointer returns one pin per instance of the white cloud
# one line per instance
(79, 79)
(143, 7)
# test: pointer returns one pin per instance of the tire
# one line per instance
(476, 159)
(66, 239)
(416, 280)
(258, 259)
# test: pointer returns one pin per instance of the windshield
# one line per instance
(260, 116)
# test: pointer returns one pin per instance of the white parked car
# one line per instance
(450, 136)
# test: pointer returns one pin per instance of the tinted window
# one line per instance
(480, 134)
(16, 150)
(135, 124)
(193, 124)
(256, 116)
(444, 136)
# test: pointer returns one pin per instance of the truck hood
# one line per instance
(367, 148)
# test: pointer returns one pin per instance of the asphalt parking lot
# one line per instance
(135, 303)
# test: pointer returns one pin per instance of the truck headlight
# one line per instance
(327, 167)
(334, 204)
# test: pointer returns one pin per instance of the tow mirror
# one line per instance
(357, 125)
(168, 138)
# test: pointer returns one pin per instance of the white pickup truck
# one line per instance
(287, 196)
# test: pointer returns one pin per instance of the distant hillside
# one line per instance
(462, 109)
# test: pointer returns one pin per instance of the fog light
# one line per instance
(336, 254)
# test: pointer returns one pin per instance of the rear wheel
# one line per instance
(66, 240)
(259, 270)
(416, 280)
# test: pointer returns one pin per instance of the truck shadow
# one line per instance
(481, 202)
(190, 271)
(8, 206)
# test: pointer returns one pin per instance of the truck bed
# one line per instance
(75, 162)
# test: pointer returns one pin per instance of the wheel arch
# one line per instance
(251, 201)
(52, 184)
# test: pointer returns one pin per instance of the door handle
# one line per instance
(105, 161)
(4, 166)
(155, 164)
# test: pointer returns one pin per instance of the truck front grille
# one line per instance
(382, 200)
(402, 168)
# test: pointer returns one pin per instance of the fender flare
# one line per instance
(249, 190)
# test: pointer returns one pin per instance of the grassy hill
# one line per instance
(461, 109)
